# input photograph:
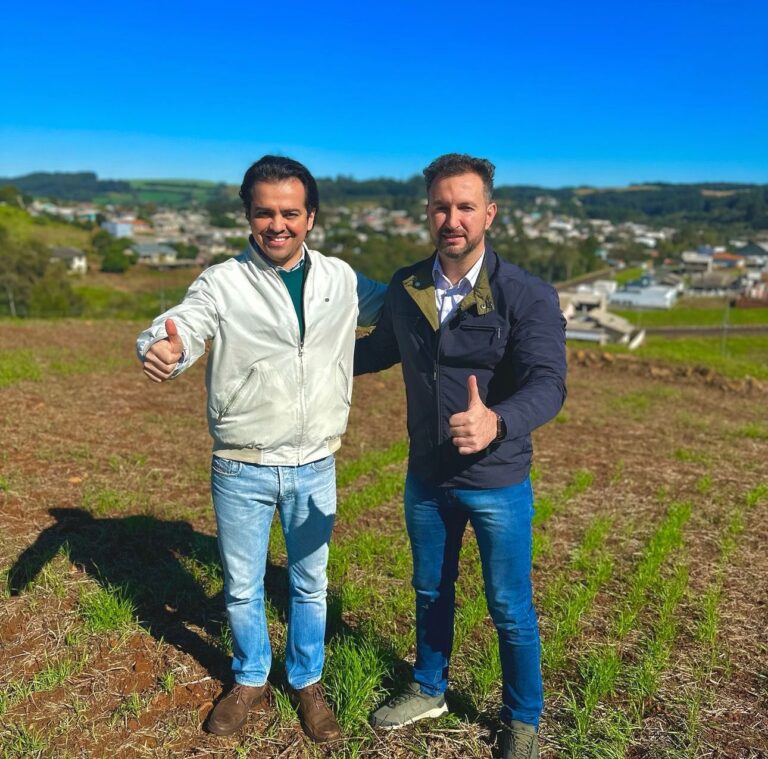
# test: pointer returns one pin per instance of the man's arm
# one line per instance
(537, 352)
(378, 350)
(370, 300)
(176, 338)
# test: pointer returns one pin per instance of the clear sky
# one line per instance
(554, 93)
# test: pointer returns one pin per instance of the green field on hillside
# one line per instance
(22, 227)
(179, 193)
(695, 312)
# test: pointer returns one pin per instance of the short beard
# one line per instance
(463, 252)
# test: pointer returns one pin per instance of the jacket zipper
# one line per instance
(437, 401)
(235, 394)
(302, 400)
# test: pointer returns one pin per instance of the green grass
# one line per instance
(602, 670)
(22, 227)
(101, 501)
(689, 455)
(622, 277)
(701, 315)
(107, 609)
(21, 742)
(570, 596)
(666, 539)
(754, 431)
(53, 673)
(740, 356)
(18, 365)
(708, 655)
(371, 461)
(145, 305)
(129, 708)
(353, 677)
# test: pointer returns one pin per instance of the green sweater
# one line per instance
(294, 281)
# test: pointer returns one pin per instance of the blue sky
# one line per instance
(554, 93)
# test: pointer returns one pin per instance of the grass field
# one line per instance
(734, 356)
(695, 312)
(650, 570)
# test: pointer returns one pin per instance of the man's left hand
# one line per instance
(473, 430)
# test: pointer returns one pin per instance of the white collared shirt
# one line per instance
(447, 295)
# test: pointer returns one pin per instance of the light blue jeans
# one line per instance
(501, 518)
(244, 498)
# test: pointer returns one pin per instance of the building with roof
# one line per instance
(645, 296)
(154, 253)
(73, 258)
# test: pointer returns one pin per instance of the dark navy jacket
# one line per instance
(508, 332)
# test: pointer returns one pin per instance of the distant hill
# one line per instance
(85, 186)
(715, 203)
(81, 185)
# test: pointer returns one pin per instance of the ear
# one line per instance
(490, 214)
(311, 221)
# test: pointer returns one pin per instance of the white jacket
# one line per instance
(271, 398)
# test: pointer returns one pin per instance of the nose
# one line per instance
(452, 218)
(277, 223)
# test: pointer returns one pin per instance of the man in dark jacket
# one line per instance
(482, 346)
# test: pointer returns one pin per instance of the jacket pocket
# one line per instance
(240, 388)
(483, 332)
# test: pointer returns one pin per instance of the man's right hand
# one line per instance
(162, 357)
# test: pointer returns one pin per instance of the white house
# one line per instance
(652, 296)
(74, 259)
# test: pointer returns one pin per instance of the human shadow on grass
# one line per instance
(153, 563)
(157, 566)
(149, 561)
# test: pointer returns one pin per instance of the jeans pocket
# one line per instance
(323, 465)
(225, 467)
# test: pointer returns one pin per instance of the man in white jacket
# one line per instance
(282, 320)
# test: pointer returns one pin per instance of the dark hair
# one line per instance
(273, 168)
(453, 164)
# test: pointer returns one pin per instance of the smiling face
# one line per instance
(459, 215)
(279, 220)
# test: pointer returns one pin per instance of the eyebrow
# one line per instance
(257, 209)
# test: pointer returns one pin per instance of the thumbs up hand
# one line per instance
(161, 359)
(473, 430)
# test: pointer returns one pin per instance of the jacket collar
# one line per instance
(421, 287)
(262, 263)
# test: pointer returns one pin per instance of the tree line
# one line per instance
(713, 203)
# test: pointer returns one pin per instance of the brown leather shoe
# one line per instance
(229, 715)
(316, 716)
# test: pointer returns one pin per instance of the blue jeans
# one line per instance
(501, 518)
(244, 498)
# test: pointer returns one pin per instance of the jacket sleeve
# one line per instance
(370, 299)
(537, 353)
(378, 350)
(196, 318)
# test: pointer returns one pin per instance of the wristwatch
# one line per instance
(501, 429)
